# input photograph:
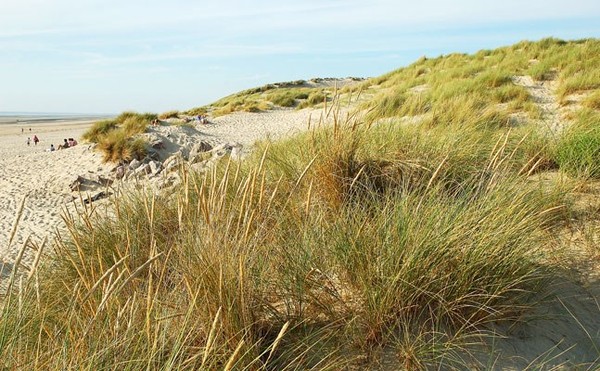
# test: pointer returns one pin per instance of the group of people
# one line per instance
(71, 142)
(66, 144)
(36, 140)
(201, 119)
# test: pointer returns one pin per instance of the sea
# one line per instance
(9, 117)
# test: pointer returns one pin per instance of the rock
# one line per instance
(76, 184)
(120, 172)
(99, 179)
(91, 180)
(200, 147)
(134, 164)
(165, 182)
(155, 167)
(236, 152)
(199, 166)
(153, 155)
(96, 197)
(227, 148)
(200, 157)
(173, 161)
(144, 169)
(157, 144)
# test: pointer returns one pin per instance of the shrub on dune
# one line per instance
(118, 146)
(99, 129)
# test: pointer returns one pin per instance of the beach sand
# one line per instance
(41, 179)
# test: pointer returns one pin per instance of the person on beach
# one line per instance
(22, 130)
(72, 142)
(64, 145)
(51, 147)
(28, 141)
(36, 140)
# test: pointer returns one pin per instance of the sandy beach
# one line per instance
(42, 178)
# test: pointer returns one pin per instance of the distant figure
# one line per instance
(28, 141)
(36, 140)
(22, 130)
(72, 142)
(30, 130)
(52, 148)
(155, 122)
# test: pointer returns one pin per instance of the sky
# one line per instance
(109, 56)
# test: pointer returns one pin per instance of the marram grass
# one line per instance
(247, 267)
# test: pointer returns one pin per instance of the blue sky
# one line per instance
(107, 56)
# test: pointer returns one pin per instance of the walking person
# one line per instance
(35, 140)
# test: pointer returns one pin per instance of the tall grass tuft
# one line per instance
(116, 138)
(99, 129)
(578, 150)
(117, 145)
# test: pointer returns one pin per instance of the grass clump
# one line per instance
(592, 101)
(114, 137)
(169, 115)
(99, 129)
(197, 111)
(578, 150)
(119, 146)
(287, 97)
(134, 125)
(134, 115)
(314, 99)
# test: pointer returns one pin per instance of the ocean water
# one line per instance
(8, 117)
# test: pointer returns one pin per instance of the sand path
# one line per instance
(543, 94)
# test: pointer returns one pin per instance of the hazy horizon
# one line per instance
(109, 56)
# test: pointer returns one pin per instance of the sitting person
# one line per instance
(72, 142)
(64, 145)
(51, 147)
